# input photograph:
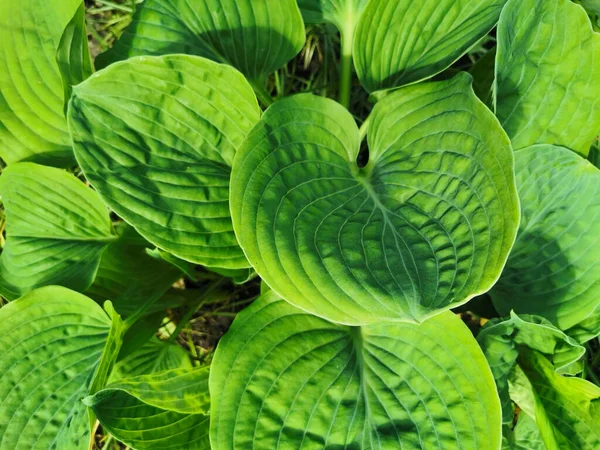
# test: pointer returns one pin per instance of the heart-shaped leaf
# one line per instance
(547, 72)
(32, 121)
(402, 42)
(554, 268)
(282, 378)
(166, 410)
(156, 136)
(52, 341)
(57, 229)
(426, 225)
(256, 37)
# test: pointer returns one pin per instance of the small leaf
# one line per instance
(128, 276)
(32, 121)
(547, 72)
(166, 410)
(525, 436)
(554, 268)
(256, 37)
(284, 378)
(567, 410)
(156, 136)
(499, 340)
(154, 356)
(52, 341)
(73, 54)
(57, 229)
(400, 43)
(344, 14)
(425, 226)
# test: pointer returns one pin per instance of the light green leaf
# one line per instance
(587, 329)
(525, 436)
(73, 54)
(32, 121)
(156, 136)
(52, 340)
(128, 276)
(167, 410)
(500, 341)
(256, 37)
(547, 72)
(399, 43)
(154, 356)
(554, 268)
(282, 378)
(567, 410)
(344, 14)
(425, 226)
(57, 229)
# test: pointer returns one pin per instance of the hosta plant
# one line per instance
(448, 171)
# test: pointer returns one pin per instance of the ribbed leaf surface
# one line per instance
(426, 225)
(285, 379)
(156, 136)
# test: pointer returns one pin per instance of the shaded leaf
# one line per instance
(166, 410)
(256, 37)
(399, 43)
(156, 136)
(284, 378)
(554, 268)
(547, 72)
(426, 225)
(344, 14)
(55, 236)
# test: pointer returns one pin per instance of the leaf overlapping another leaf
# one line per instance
(426, 225)
(282, 378)
(156, 136)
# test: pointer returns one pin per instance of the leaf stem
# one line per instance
(261, 93)
(192, 310)
(347, 38)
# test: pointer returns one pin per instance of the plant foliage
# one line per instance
(425, 244)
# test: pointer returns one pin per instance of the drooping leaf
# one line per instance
(52, 340)
(282, 378)
(255, 36)
(57, 229)
(32, 121)
(500, 341)
(399, 43)
(425, 226)
(154, 356)
(547, 72)
(166, 410)
(156, 136)
(73, 54)
(554, 268)
(567, 409)
(128, 276)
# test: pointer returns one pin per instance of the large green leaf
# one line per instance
(128, 276)
(547, 72)
(426, 225)
(57, 229)
(52, 341)
(32, 121)
(567, 410)
(255, 36)
(402, 42)
(156, 136)
(500, 341)
(166, 410)
(554, 268)
(285, 379)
